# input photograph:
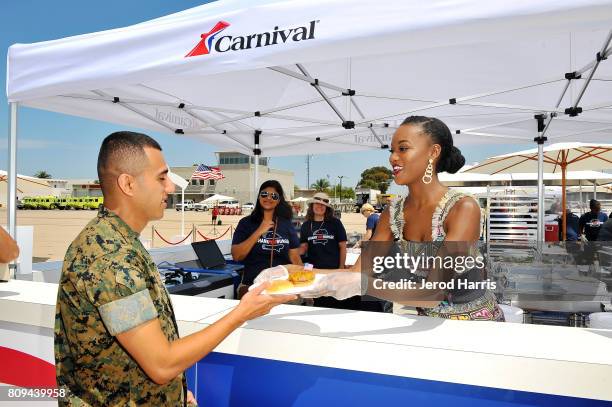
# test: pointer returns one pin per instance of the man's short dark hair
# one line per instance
(123, 152)
(593, 203)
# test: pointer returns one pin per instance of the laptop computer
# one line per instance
(209, 257)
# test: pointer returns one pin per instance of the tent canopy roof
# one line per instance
(320, 77)
(218, 197)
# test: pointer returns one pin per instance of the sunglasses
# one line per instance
(272, 195)
(321, 199)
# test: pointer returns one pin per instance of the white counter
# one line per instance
(501, 357)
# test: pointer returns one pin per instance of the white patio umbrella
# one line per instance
(557, 158)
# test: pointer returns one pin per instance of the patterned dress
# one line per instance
(483, 308)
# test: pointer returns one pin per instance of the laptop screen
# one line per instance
(208, 253)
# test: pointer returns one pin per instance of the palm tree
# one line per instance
(43, 174)
(320, 185)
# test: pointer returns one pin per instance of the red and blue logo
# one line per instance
(205, 45)
(212, 42)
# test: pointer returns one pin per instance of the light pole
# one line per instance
(340, 177)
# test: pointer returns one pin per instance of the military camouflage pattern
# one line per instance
(109, 284)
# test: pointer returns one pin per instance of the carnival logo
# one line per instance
(203, 47)
(209, 42)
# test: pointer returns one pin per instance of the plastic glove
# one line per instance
(272, 273)
(340, 285)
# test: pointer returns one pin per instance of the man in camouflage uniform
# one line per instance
(116, 337)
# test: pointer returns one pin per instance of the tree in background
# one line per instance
(348, 193)
(320, 185)
(43, 174)
(376, 178)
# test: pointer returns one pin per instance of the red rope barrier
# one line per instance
(214, 238)
(170, 243)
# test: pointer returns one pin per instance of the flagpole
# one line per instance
(183, 213)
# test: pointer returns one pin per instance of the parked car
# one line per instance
(248, 206)
(230, 204)
(201, 206)
(189, 205)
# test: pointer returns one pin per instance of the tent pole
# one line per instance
(256, 153)
(183, 212)
(564, 194)
(11, 201)
(580, 194)
(594, 189)
(540, 140)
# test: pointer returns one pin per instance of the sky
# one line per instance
(67, 146)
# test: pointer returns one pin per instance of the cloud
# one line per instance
(29, 144)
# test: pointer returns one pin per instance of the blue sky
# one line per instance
(67, 146)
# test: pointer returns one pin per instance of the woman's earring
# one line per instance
(427, 177)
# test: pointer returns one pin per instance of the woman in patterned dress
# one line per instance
(429, 215)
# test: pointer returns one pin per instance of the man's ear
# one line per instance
(126, 184)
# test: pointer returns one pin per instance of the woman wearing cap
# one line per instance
(421, 148)
(266, 237)
(323, 240)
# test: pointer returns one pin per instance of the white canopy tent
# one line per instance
(218, 197)
(314, 77)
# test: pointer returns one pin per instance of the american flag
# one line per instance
(206, 172)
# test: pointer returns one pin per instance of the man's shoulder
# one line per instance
(100, 247)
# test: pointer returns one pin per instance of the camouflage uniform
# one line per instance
(109, 284)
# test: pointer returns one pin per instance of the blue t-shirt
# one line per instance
(372, 222)
(592, 223)
(323, 240)
(259, 257)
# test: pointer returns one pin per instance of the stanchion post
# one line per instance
(193, 233)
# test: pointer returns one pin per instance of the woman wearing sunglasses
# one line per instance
(266, 238)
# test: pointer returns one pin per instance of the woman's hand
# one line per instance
(272, 273)
(191, 400)
(265, 226)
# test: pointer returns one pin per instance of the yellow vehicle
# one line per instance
(46, 202)
(93, 202)
(64, 202)
(29, 203)
(76, 203)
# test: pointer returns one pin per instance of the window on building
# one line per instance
(211, 182)
(194, 182)
(202, 182)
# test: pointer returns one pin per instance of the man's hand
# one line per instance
(255, 304)
(8, 247)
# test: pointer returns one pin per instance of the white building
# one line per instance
(239, 170)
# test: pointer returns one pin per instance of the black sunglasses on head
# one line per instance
(273, 195)
(321, 199)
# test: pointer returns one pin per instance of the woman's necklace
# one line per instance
(320, 227)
